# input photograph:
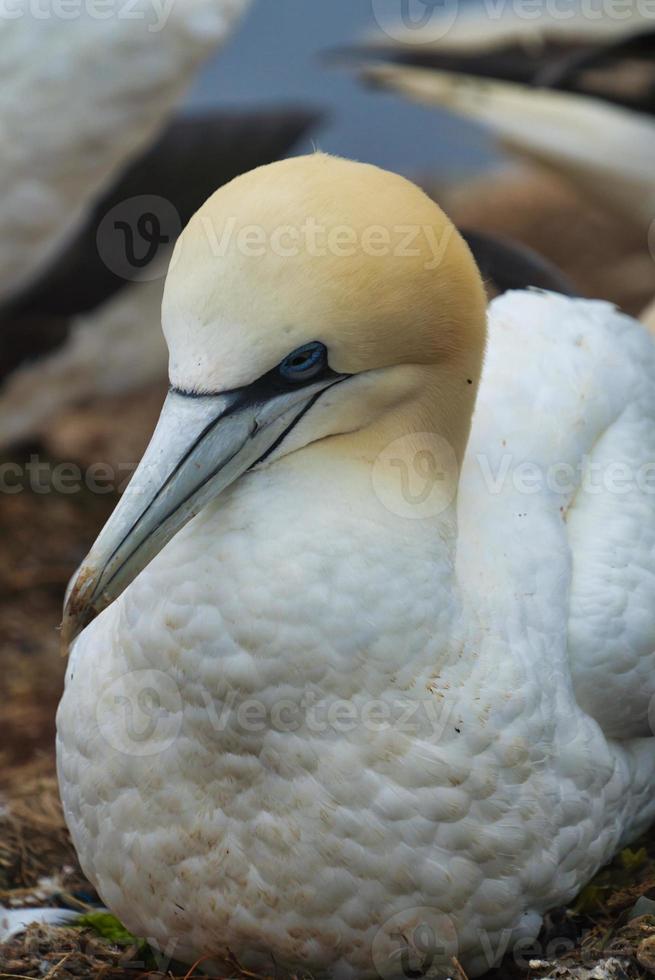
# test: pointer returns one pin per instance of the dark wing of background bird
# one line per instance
(507, 264)
(620, 70)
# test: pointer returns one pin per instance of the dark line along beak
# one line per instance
(202, 444)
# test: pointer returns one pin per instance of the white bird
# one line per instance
(571, 93)
(81, 96)
(380, 693)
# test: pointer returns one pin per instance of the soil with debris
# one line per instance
(608, 934)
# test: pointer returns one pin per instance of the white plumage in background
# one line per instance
(576, 93)
(79, 98)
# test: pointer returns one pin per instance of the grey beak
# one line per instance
(202, 444)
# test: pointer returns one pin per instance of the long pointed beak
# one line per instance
(202, 444)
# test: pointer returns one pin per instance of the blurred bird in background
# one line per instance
(80, 99)
(573, 101)
(98, 177)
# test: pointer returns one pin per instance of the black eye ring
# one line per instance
(305, 363)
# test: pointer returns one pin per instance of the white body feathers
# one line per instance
(445, 714)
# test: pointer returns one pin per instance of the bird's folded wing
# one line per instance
(558, 491)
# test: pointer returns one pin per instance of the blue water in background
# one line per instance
(275, 57)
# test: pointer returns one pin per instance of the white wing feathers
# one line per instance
(571, 410)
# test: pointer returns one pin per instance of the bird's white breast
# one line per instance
(314, 724)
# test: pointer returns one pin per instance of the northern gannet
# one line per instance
(371, 679)
(571, 93)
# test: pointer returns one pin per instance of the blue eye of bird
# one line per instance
(305, 363)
